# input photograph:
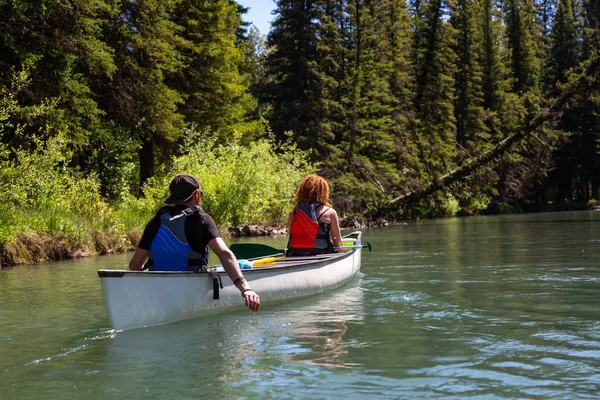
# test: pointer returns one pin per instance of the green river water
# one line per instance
(485, 308)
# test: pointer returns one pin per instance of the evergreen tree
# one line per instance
(469, 100)
(396, 50)
(435, 68)
(478, 95)
(519, 169)
(330, 68)
(215, 78)
(546, 10)
(60, 46)
(579, 175)
(563, 56)
(494, 72)
(591, 28)
(368, 140)
(564, 48)
(524, 42)
(294, 85)
(396, 26)
(591, 104)
(146, 45)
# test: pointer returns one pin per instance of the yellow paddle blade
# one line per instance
(263, 261)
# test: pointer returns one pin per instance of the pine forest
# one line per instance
(425, 108)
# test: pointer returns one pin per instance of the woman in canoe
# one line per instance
(178, 237)
(313, 225)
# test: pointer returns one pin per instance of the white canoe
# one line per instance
(139, 298)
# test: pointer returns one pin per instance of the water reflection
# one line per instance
(223, 351)
(316, 330)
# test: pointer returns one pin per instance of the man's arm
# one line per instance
(143, 250)
(230, 264)
(138, 259)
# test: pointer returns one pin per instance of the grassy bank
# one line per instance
(49, 211)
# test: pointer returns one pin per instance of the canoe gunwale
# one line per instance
(308, 264)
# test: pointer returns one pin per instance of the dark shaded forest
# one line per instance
(427, 108)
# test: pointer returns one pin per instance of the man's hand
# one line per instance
(230, 264)
(251, 300)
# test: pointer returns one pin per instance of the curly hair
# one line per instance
(313, 189)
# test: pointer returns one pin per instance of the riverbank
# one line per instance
(37, 247)
(269, 230)
(49, 212)
(257, 230)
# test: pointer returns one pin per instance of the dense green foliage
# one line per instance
(40, 194)
(240, 183)
(426, 107)
(51, 210)
(397, 99)
(128, 71)
(48, 210)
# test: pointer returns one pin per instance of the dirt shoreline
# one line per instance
(37, 247)
(257, 230)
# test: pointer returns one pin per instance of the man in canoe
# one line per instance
(313, 225)
(178, 237)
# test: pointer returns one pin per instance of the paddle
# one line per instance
(362, 246)
(267, 260)
(253, 250)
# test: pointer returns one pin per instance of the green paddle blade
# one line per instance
(253, 250)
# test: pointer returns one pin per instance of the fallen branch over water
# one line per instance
(580, 85)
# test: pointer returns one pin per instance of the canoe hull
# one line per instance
(136, 299)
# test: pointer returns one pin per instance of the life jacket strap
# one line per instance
(324, 211)
(217, 283)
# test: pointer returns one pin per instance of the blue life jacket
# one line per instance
(170, 250)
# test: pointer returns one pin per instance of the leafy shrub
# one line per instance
(252, 183)
(40, 193)
(449, 206)
(478, 202)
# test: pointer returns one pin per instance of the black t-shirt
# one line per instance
(200, 229)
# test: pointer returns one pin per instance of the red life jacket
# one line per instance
(307, 235)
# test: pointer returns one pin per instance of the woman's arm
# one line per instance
(334, 228)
